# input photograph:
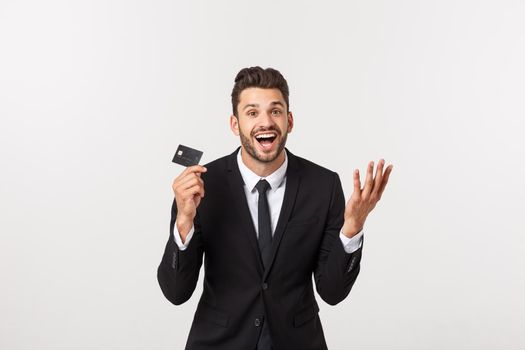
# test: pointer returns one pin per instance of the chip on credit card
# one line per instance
(187, 156)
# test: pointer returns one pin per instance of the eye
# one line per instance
(252, 113)
(276, 112)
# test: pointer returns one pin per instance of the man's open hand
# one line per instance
(363, 200)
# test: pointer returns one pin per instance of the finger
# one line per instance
(368, 181)
(378, 178)
(183, 183)
(388, 171)
(189, 179)
(191, 171)
(194, 169)
(357, 184)
(192, 191)
(193, 181)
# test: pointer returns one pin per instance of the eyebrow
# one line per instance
(274, 103)
(251, 105)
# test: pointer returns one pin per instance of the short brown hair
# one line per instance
(268, 78)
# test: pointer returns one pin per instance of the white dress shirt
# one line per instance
(275, 196)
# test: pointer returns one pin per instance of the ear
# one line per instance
(234, 125)
(290, 121)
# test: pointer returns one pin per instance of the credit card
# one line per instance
(187, 156)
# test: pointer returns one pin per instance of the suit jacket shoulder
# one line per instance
(309, 168)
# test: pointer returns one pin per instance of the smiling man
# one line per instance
(264, 220)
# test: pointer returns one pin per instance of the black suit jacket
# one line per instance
(239, 294)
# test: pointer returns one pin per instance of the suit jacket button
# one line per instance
(257, 322)
(265, 286)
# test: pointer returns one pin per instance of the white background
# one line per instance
(95, 96)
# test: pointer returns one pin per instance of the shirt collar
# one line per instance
(275, 179)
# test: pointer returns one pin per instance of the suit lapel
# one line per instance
(290, 194)
(239, 198)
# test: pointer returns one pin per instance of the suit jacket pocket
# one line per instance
(212, 315)
(305, 315)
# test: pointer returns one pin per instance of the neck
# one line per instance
(262, 169)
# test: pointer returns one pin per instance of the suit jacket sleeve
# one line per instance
(178, 271)
(336, 270)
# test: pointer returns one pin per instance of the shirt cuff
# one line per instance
(178, 240)
(352, 244)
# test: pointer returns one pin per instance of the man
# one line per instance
(265, 220)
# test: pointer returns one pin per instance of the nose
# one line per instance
(266, 119)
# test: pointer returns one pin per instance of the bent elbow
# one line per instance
(168, 288)
(333, 294)
(332, 298)
(177, 299)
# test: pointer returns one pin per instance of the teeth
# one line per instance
(264, 136)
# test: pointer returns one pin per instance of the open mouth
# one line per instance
(267, 139)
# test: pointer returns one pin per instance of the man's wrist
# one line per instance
(350, 230)
(184, 226)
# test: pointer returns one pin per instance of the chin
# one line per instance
(267, 158)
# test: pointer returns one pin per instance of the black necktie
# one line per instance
(265, 227)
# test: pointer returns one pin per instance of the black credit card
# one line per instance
(187, 156)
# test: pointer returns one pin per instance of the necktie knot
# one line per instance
(262, 186)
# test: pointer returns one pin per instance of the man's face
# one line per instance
(263, 123)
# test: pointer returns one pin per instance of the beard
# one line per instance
(248, 144)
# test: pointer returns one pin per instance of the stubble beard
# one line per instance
(247, 143)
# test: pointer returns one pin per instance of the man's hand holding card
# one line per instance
(188, 188)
